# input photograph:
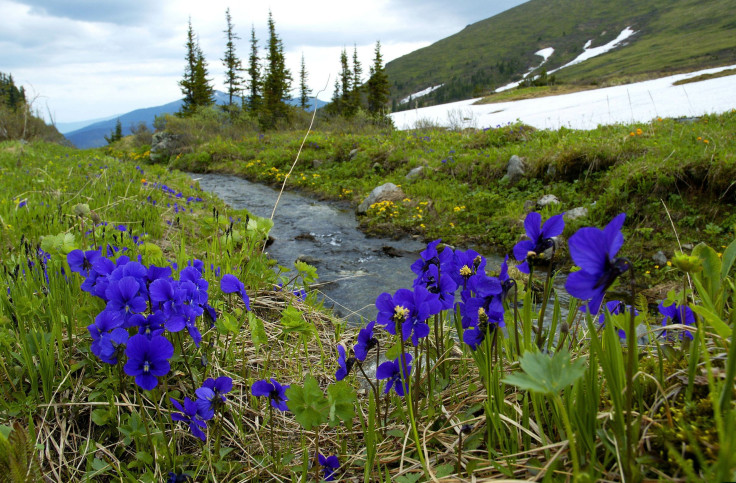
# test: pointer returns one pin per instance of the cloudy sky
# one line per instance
(87, 59)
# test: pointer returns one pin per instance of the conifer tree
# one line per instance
(116, 134)
(254, 71)
(187, 83)
(197, 90)
(304, 89)
(203, 91)
(277, 81)
(346, 77)
(233, 80)
(378, 86)
(356, 91)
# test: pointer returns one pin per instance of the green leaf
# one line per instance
(393, 352)
(545, 374)
(408, 478)
(341, 397)
(711, 274)
(443, 470)
(257, 330)
(309, 405)
(713, 320)
(230, 323)
(729, 256)
(292, 320)
(100, 416)
(307, 271)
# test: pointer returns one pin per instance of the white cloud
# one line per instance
(90, 59)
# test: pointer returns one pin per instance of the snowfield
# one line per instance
(639, 102)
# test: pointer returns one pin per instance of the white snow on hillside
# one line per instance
(640, 102)
(589, 53)
(421, 93)
(543, 53)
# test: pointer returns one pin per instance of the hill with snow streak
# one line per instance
(638, 102)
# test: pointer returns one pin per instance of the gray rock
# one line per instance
(515, 169)
(529, 206)
(687, 246)
(547, 200)
(352, 154)
(551, 170)
(415, 173)
(163, 145)
(660, 258)
(316, 163)
(385, 192)
(575, 213)
(308, 260)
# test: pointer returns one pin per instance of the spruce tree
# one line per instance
(277, 81)
(233, 67)
(346, 78)
(304, 89)
(187, 82)
(357, 73)
(378, 86)
(116, 134)
(254, 71)
(204, 93)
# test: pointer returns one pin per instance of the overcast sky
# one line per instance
(86, 59)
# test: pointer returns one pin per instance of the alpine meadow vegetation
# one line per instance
(145, 336)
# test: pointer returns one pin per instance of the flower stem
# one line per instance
(631, 367)
(545, 299)
(570, 435)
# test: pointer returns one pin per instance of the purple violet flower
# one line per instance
(390, 370)
(594, 251)
(191, 416)
(540, 238)
(148, 359)
(677, 314)
(231, 284)
(330, 465)
(275, 392)
(211, 395)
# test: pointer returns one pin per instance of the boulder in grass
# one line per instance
(163, 145)
(575, 213)
(385, 192)
(415, 173)
(547, 200)
(515, 170)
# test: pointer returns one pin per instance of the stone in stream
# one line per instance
(385, 192)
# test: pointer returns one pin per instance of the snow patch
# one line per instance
(639, 102)
(545, 53)
(589, 53)
(421, 93)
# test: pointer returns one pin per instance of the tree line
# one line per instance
(266, 91)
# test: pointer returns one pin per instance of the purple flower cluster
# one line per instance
(145, 302)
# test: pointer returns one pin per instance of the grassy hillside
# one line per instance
(671, 36)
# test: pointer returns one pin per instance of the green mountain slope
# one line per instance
(671, 36)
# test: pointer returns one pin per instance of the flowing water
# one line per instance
(353, 268)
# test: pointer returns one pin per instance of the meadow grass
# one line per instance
(519, 403)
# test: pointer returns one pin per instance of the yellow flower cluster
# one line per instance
(384, 209)
(638, 132)
(705, 141)
(458, 209)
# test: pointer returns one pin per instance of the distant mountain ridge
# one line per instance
(670, 36)
(93, 135)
